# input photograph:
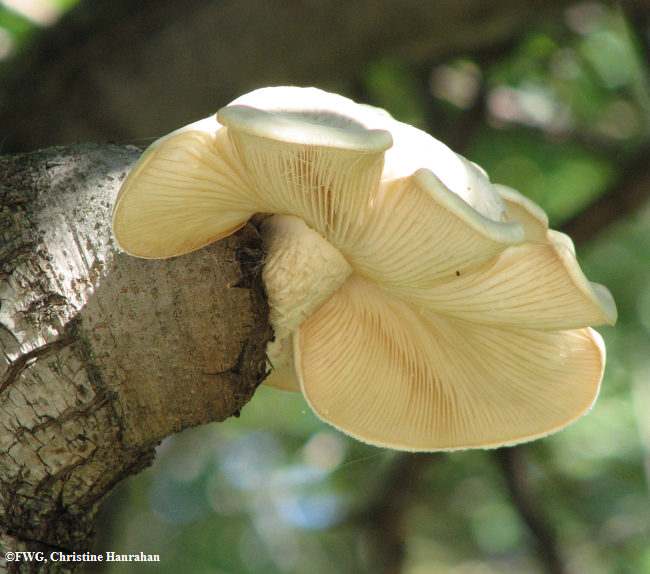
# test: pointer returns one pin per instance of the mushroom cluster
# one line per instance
(416, 305)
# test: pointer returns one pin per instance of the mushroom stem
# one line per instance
(301, 271)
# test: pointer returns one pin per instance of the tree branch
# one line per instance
(101, 354)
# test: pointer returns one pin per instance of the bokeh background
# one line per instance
(551, 98)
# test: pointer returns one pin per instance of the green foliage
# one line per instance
(393, 86)
(14, 25)
(17, 29)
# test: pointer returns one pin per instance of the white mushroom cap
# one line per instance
(390, 375)
(307, 116)
(415, 150)
(416, 305)
(526, 212)
(186, 191)
(308, 153)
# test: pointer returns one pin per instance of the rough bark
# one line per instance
(102, 355)
(124, 70)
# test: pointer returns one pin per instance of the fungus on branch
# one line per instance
(416, 305)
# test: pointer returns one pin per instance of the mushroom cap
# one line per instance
(307, 116)
(463, 320)
(187, 190)
(393, 376)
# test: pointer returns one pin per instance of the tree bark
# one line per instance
(101, 354)
(125, 70)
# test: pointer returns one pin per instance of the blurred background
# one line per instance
(551, 98)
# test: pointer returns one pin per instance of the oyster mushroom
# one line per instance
(416, 305)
